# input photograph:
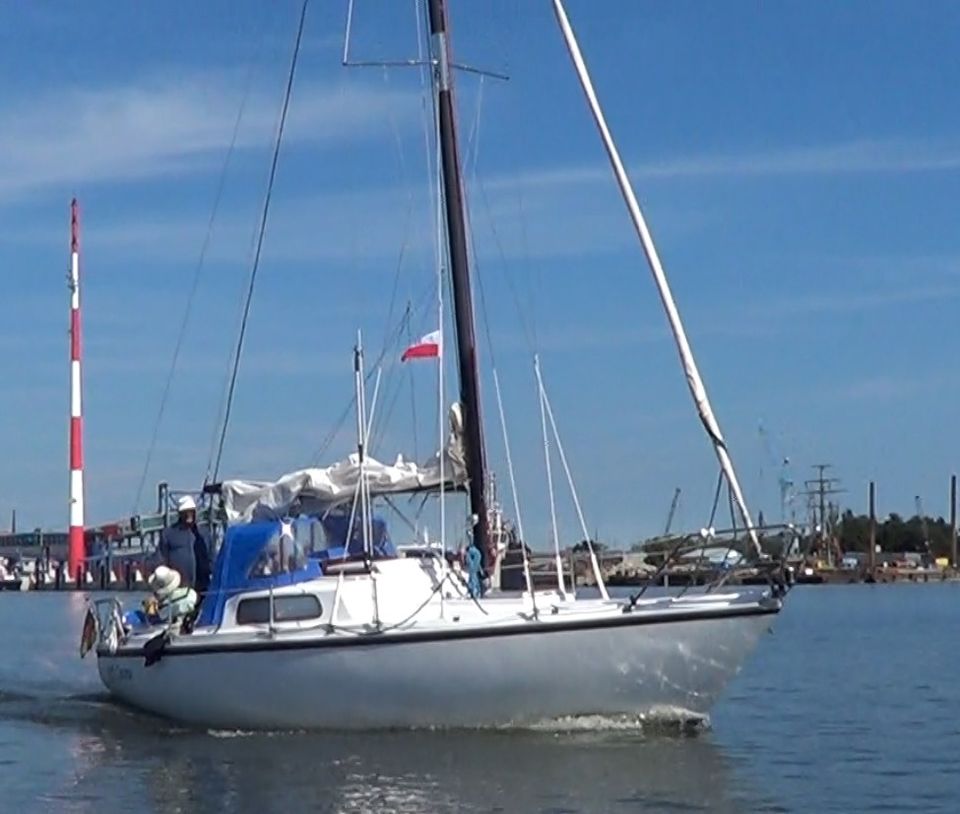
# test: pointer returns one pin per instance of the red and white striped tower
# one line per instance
(76, 550)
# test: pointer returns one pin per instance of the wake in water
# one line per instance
(657, 721)
(76, 711)
(665, 721)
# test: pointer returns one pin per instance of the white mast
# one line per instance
(697, 390)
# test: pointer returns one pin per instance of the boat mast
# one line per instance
(460, 275)
(694, 382)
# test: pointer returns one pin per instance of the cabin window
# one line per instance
(281, 554)
(256, 610)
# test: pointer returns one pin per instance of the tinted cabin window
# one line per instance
(280, 554)
(285, 609)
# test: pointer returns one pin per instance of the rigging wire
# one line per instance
(573, 489)
(484, 313)
(413, 391)
(716, 499)
(225, 383)
(408, 216)
(389, 338)
(476, 180)
(516, 494)
(527, 325)
(260, 237)
(396, 384)
(408, 219)
(432, 164)
(198, 269)
(474, 143)
(331, 435)
(730, 547)
(514, 25)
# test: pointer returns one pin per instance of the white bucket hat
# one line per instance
(186, 504)
(164, 581)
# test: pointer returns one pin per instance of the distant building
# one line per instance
(853, 560)
(29, 539)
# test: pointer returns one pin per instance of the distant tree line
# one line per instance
(895, 534)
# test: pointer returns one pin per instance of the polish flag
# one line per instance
(426, 348)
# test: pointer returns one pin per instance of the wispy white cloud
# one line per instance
(154, 127)
(873, 388)
(898, 267)
(377, 223)
(893, 386)
(147, 130)
(336, 225)
(858, 156)
(847, 301)
(583, 336)
(760, 317)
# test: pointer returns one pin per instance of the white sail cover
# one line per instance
(315, 490)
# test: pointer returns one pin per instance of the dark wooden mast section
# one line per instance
(460, 276)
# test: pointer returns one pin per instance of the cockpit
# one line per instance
(276, 553)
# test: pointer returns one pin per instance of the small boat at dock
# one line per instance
(12, 577)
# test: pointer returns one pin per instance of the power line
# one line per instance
(818, 490)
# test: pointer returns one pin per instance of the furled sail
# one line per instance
(315, 490)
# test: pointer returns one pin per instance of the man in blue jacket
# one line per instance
(184, 548)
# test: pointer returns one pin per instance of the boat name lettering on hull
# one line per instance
(117, 673)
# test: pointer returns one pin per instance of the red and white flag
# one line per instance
(428, 347)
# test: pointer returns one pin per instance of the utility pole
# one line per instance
(818, 489)
(923, 524)
(953, 521)
(872, 542)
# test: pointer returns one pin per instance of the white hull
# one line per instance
(602, 661)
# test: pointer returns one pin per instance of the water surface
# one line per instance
(850, 705)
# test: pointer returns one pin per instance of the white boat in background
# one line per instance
(12, 577)
(315, 620)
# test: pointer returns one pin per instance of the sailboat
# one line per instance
(353, 632)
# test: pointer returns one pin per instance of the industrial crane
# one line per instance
(673, 510)
(784, 479)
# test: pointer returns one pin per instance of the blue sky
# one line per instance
(799, 164)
